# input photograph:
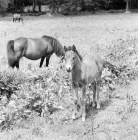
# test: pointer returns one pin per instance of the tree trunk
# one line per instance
(52, 7)
(33, 5)
(127, 6)
(39, 6)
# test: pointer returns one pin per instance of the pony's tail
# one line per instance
(10, 53)
(112, 68)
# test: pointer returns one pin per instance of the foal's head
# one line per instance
(71, 57)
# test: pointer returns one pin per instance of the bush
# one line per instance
(3, 5)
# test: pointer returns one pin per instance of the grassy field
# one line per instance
(90, 34)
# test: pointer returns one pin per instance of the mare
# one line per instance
(33, 49)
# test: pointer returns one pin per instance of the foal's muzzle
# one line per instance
(68, 69)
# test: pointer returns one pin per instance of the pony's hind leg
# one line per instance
(41, 62)
(83, 103)
(75, 98)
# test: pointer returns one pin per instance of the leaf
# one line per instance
(27, 111)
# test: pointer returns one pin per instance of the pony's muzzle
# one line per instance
(68, 69)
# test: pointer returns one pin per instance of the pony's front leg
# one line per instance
(17, 65)
(97, 91)
(75, 98)
(47, 60)
(83, 103)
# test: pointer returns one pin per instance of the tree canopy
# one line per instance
(68, 5)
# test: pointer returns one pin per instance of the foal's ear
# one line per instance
(74, 48)
(65, 48)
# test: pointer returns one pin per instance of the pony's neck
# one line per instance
(59, 51)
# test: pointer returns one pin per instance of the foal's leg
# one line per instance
(94, 93)
(83, 103)
(41, 62)
(47, 60)
(75, 98)
(98, 90)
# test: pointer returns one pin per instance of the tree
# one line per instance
(33, 5)
(127, 6)
(4, 5)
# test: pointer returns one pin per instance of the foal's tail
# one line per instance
(10, 53)
(111, 67)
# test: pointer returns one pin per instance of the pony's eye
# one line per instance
(73, 58)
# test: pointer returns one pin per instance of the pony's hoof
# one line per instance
(98, 106)
(83, 119)
(93, 105)
(73, 117)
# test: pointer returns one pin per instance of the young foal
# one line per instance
(84, 71)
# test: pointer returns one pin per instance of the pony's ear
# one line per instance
(65, 48)
(74, 48)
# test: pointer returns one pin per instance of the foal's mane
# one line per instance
(57, 47)
(76, 51)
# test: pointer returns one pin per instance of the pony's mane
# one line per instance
(58, 48)
(76, 51)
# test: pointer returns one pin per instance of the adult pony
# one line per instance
(33, 49)
(17, 17)
(84, 71)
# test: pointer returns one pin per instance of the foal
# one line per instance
(84, 72)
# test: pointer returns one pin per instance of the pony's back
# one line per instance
(17, 17)
(93, 58)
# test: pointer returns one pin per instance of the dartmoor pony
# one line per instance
(84, 71)
(17, 17)
(33, 49)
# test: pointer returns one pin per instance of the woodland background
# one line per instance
(66, 6)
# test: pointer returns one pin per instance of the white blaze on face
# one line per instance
(69, 61)
(69, 65)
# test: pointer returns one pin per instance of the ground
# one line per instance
(112, 121)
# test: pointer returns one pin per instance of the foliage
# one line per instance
(123, 55)
(67, 6)
(36, 93)
(4, 5)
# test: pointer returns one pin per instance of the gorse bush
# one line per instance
(122, 53)
(37, 92)
(4, 5)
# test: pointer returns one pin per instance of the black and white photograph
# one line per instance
(68, 69)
